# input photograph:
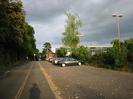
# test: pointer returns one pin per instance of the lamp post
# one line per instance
(118, 16)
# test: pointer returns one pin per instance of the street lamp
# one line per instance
(118, 16)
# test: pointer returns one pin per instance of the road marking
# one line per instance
(23, 84)
(52, 85)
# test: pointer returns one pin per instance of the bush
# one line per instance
(129, 46)
(116, 56)
(82, 53)
(108, 58)
(61, 52)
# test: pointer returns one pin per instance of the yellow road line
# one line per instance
(23, 84)
(52, 85)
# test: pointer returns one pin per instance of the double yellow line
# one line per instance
(23, 84)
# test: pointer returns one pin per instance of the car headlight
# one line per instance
(56, 61)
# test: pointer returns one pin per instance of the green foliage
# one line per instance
(16, 36)
(117, 55)
(82, 53)
(71, 33)
(29, 40)
(98, 56)
(46, 47)
(16, 23)
(43, 55)
(108, 57)
(3, 21)
(61, 52)
(129, 46)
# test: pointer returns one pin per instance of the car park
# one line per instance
(69, 62)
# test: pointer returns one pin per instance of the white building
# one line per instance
(14, 0)
(102, 48)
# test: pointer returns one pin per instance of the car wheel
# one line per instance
(79, 63)
(63, 65)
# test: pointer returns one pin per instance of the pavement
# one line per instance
(43, 80)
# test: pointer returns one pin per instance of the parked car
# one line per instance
(69, 61)
(57, 60)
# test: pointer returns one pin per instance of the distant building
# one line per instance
(14, 0)
(50, 54)
(102, 48)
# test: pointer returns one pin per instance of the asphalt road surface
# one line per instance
(42, 80)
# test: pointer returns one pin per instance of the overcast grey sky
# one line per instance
(99, 27)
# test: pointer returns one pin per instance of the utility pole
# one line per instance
(118, 16)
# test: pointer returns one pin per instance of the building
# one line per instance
(102, 48)
(50, 55)
(14, 0)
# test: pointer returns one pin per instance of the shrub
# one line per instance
(61, 52)
(117, 55)
(82, 53)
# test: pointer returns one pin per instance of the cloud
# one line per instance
(48, 19)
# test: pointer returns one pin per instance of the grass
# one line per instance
(128, 67)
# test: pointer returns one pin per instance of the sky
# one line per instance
(98, 26)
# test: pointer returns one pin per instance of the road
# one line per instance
(42, 80)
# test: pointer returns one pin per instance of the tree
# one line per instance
(47, 46)
(16, 20)
(82, 53)
(108, 57)
(71, 38)
(3, 30)
(29, 41)
(61, 52)
(16, 36)
(129, 46)
(3, 22)
(117, 54)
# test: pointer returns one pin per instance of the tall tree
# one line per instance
(71, 38)
(47, 46)
(16, 36)
(3, 31)
(29, 40)
(3, 22)
(16, 23)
